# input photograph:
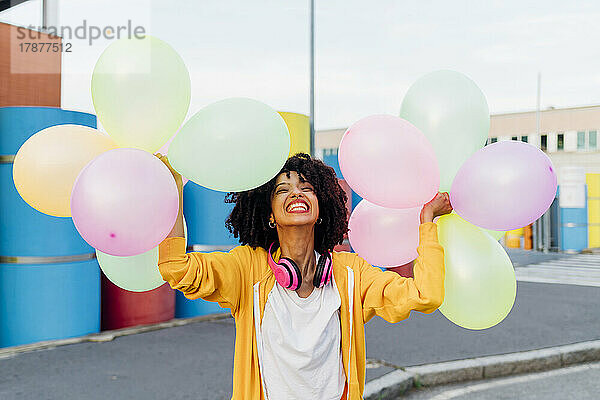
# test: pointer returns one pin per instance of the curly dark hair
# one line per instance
(249, 218)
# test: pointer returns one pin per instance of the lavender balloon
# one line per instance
(124, 202)
(504, 186)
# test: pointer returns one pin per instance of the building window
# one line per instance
(544, 142)
(560, 141)
(514, 138)
(581, 140)
(493, 140)
(593, 137)
(524, 139)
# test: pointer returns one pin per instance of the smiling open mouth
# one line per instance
(298, 206)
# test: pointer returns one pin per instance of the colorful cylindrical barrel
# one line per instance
(205, 213)
(49, 277)
(593, 186)
(514, 238)
(345, 246)
(405, 270)
(330, 157)
(299, 127)
(528, 237)
(573, 209)
(122, 308)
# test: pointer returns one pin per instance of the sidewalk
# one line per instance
(520, 257)
(396, 383)
(194, 360)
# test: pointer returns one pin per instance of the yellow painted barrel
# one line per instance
(593, 187)
(298, 125)
(513, 238)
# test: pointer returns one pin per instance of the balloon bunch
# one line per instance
(397, 164)
(123, 199)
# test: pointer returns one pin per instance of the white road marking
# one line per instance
(582, 270)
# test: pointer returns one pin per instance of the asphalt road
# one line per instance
(195, 361)
(544, 315)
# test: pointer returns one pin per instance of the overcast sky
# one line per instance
(367, 53)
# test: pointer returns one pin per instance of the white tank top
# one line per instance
(301, 340)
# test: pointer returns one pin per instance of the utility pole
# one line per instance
(541, 231)
(312, 78)
(546, 228)
(49, 14)
(537, 225)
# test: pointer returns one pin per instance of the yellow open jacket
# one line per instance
(242, 279)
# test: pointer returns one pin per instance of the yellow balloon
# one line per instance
(480, 284)
(48, 163)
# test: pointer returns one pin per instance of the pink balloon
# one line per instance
(124, 202)
(388, 161)
(384, 236)
(504, 186)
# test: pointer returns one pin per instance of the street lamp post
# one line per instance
(49, 14)
(312, 78)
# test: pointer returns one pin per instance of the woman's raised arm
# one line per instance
(216, 276)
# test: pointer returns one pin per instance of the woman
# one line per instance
(299, 307)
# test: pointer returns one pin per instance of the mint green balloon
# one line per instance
(453, 114)
(232, 145)
(480, 284)
(137, 273)
(497, 235)
(141, 92)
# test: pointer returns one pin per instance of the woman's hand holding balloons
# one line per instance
(440, 205)
(176, 175)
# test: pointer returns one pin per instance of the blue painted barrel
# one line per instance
(330, 157)
(49, 277)
(205, 213)
(574, 228)
(355, 199)
(573, 209)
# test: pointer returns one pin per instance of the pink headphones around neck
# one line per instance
(289, 276)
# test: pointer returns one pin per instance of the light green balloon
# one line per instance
(453, 114)
(497, 235)
(480, 284)
(232, 145)
(137, 273)
(141, 92)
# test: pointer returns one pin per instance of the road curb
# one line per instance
(106, 336)
(395, 383)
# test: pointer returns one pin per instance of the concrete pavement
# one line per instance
(581, 382)
(582, 269)
(400, 381)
